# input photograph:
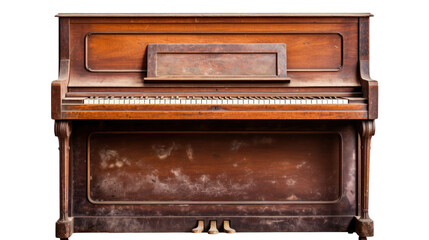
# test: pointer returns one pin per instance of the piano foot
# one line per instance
(364, 227)
(199, 228)
(227, 227)
(64, 228)
(213, 228)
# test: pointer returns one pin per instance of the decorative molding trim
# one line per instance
(88, 67)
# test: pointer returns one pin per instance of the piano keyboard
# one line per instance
(216, 100)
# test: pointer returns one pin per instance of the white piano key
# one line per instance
(335, 101)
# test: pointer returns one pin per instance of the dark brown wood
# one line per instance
(364, 224)
(369, 86)
(176, 168)
(296, 171)
(64, 226)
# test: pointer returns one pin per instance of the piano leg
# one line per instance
(364, 226)
(64, 225)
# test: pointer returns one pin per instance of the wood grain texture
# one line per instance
(319, 54)
(208, 61)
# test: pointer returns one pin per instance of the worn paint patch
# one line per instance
(292, 197)
(164, 151)
(190, 152)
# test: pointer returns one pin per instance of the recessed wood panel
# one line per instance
(219, 167)
(216, 65)
(126, 52)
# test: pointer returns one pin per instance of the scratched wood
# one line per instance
(211, 159)
(132, 167)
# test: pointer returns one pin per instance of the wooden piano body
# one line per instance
(127, 167)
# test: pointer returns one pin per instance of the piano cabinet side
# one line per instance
(369, 86)
(59, 87)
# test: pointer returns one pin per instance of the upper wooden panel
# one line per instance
(112, 52)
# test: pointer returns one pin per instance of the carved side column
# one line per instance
(364, 224)
(64, 225)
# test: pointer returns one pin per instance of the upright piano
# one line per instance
(214, 122)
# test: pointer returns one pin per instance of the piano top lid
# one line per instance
(214, 15)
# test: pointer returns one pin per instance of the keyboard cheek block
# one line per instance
(214, 123)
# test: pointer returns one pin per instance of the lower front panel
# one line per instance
(260, 175)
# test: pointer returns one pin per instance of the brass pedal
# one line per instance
(199, 228)
(213, 228)
(227, 227)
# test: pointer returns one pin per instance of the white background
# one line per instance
(29, 157)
